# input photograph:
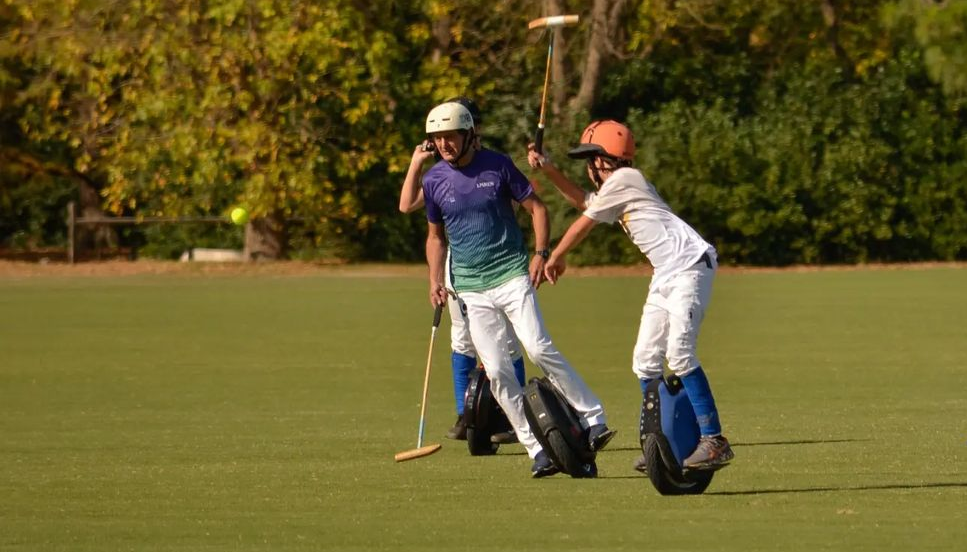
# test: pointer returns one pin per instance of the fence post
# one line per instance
(71, 224)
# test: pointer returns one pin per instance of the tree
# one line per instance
(940, 29)
(181, 108)
(788, 131)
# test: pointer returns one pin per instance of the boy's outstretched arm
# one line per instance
(556, 264)
(571, 191)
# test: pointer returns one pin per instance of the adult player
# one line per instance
(463, 357)
(469, 195)
(684, 267)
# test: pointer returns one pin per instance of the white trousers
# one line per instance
(517, 301)
(670, 321)
(460, 340)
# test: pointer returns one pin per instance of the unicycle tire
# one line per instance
(482, 415)
(566, 459)
(557, 427)
(665, 480)
(478, 443)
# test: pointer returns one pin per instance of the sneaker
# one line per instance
(504, 438)
(598, 436)
(641, 465)
(543, 466)
(711, 453)
(459, 430)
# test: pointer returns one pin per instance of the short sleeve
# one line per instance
(605, 205)
(433, 212)
(520, 188)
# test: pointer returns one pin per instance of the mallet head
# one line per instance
(553, 21)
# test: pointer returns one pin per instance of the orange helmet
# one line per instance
(608, 138)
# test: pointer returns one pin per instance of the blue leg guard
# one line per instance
(700, 395)
(519, 370)
(462, 365)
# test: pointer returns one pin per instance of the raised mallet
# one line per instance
(420, 451)
(551, 23)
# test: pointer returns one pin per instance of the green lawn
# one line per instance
(262, 413)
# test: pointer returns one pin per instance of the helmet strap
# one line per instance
(595, 175)
(610, 163)
(465, 148)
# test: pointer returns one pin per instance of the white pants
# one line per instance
(517, 301)
(460, 340)
(670, 321)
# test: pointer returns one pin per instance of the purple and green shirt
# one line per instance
(474, 204)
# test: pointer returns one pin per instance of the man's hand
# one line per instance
(537, 271)
(421, 155)
(554, 268)
(536, 159)
(438, 295)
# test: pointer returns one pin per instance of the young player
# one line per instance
(463, 358)
(469, 197)
(684, 267)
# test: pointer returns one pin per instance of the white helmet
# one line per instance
(448, 116)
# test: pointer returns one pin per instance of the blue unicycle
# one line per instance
(669, 433)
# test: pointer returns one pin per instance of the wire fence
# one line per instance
(73, 221)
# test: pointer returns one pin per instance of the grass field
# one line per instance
(260, 412)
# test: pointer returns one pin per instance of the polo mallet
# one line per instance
(420, 451)
(552, 23)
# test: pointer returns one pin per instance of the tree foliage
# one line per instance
(786, 131)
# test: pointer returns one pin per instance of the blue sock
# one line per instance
(700, 394)
(462, 365)
(644, 386)
(519, 370)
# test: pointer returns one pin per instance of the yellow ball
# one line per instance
(239, 216)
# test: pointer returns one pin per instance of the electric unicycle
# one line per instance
(482, 415)
(557, 427)
(669, 433)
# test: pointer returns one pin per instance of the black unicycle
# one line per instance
(557, 427)
(482, 415)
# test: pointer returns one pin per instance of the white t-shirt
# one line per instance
(670, 244)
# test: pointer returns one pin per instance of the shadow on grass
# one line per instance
(761, 444)
(736, 444)
(621, 449)
(801, 442)
(893, 487)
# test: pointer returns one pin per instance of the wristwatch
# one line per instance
(543, 253)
